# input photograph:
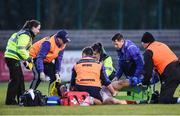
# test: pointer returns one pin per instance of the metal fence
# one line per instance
(82, 38)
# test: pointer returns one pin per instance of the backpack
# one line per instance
(74, 98)
(27, 98)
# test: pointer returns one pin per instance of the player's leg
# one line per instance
(118, 85)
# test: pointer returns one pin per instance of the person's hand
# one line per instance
(58, 78)
(115, 79)
(28, 65)
(134, 81)
(141, 85)
(25, 63)
(29, 59)
(42, 76)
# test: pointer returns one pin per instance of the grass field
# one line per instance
(141, 109)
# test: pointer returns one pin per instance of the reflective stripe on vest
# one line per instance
(162, 55)
(53, 52)
(12, 48)
(14, 52)
(14, 39)
(108, 64)
(88, 72)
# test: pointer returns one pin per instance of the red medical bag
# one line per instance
(73, 98)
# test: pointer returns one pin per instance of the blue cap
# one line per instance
(62, 34)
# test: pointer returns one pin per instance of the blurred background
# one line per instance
(90, 21)
(91, 14)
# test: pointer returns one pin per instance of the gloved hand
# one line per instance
(42, 76)
(58, 78)
(28, 65)
(141, 85)
(115, 79)
(134, 81)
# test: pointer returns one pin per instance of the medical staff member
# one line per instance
(17, 49)
(44, 52)
(89, 75)
(159, 56)
(100, 55)
(130, 62)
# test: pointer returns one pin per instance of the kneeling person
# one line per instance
(130, 62)
(89, 75)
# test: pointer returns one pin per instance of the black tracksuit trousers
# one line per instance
(170, 79)
(49, 70)
(16, 83)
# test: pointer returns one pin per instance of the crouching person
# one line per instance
(44, 52)
(165, 61)
(89, 75)
(130, 63)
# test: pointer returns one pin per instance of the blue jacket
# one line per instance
(130, 61)
(45, 47)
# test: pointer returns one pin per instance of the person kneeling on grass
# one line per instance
(159, 56)
(130, 63)
(89, 75)
(100, 55)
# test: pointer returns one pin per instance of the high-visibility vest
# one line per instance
(53, 52)
(162, 55)
(18, 45)
(108, 64)
(88, 72)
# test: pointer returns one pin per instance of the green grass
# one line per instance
(142, 109)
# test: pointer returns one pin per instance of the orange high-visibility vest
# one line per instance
(88, 72)
(53, 52)
(162, 55)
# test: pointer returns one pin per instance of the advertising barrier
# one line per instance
(69, 59)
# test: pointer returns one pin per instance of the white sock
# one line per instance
(178, 100)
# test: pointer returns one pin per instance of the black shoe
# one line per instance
(11, 103)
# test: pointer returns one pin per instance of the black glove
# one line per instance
(30, 60)
(28, 63)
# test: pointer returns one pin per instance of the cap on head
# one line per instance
(147, 38)
(62, 34)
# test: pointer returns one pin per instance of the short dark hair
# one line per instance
(88, 51)
(97, 47)
(117, 36)
(31, 23)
